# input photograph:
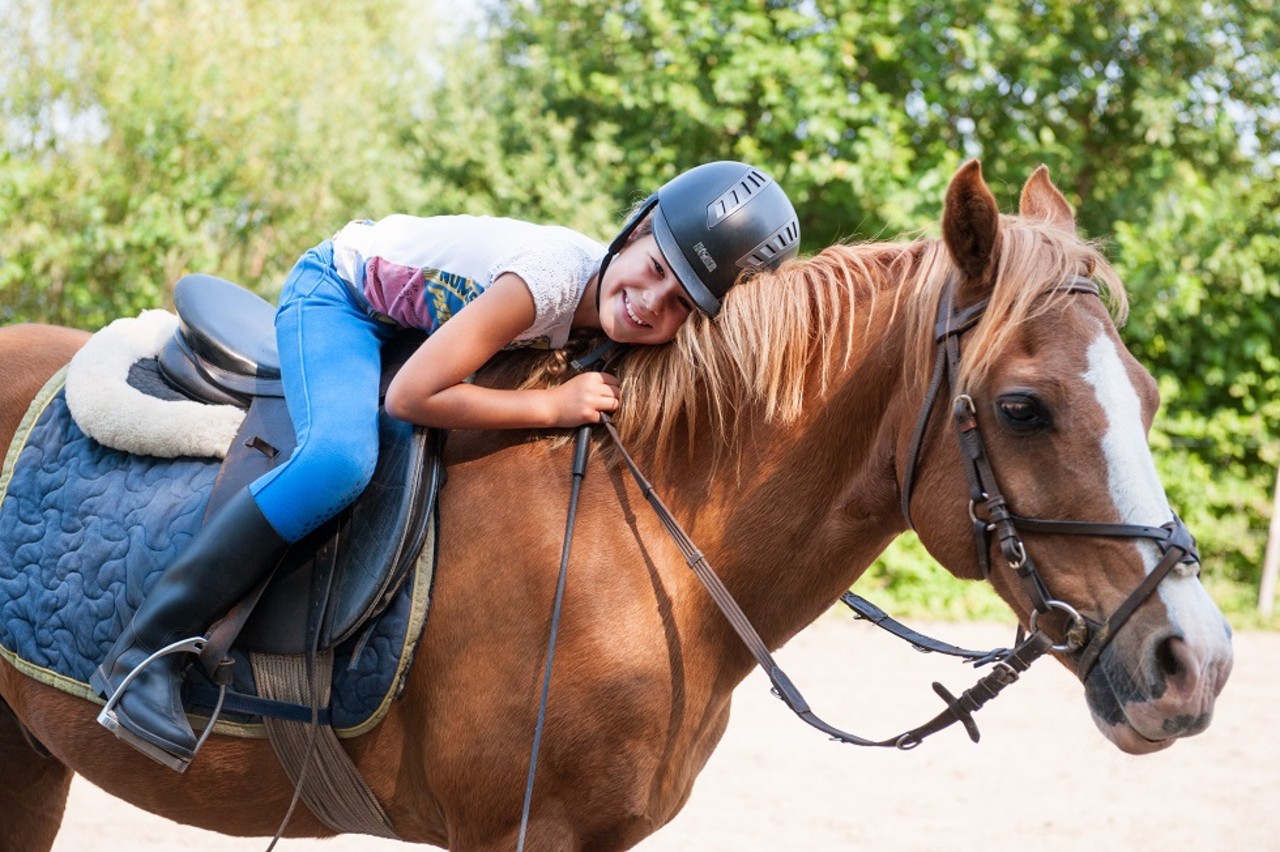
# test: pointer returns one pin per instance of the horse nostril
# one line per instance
(1167, 658)
(1177, 665)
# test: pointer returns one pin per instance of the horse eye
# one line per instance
(1022, 412)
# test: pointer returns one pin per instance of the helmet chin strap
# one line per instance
(620, 241)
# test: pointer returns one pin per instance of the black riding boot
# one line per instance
(223, 562)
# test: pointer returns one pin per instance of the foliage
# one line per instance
(907, 583)
(142, 141)
(1209, 330)
(480, 145)
(864, 110)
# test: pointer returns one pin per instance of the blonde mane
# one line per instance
(760, 353)
(782, 336)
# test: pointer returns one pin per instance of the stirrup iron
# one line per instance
(107, 717)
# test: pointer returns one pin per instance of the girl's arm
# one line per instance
(430, 389)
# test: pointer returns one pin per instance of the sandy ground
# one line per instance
(1041, 778)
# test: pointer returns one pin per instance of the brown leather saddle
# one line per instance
(347, 571)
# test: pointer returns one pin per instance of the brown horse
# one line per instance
(780, 435)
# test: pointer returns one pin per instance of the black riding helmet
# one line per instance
(712, 224)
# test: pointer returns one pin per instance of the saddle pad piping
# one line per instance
(23, 432)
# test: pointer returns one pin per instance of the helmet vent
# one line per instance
(739, 193)
(775, 248)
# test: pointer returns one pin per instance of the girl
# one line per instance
(521, 284)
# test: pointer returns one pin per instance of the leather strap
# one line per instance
(917, 435)
(958, 710)
(203, 695)
(582, 446)
(997, 519)
(1174, 555)
(867, 611)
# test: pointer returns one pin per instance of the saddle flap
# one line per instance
(362, 556)
(385, 530)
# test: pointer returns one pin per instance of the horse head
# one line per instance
(1059, 409)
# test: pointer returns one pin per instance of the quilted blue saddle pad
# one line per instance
(85, 531)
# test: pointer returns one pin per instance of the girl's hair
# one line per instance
(547, 368)
(644, 229)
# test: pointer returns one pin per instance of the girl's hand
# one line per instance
(581, 399)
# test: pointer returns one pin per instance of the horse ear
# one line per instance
(971, 224)
(1042, 200)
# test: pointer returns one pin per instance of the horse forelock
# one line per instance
(1036, 260)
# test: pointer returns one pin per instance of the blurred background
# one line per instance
(142, 141)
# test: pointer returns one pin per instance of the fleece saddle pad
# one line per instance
(86, 530)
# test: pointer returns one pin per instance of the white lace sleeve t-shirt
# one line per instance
(421, 271)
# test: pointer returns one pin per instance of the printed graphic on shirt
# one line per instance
(420, 298)
(447, 293)
(427, 298)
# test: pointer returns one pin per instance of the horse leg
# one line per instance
(33, 796)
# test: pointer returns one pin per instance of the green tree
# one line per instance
(143, 141)
(481, 145)
(1208, 328)
(865, 109)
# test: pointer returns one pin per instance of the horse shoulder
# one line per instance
(630, 701)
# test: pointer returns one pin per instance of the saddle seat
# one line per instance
(224, 352)
(343, 574)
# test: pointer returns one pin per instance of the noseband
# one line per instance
(989, 511)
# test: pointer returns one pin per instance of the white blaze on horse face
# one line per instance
(1136, 489)
(1131, 472)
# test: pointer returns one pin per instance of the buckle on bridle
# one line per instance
(1018, 556)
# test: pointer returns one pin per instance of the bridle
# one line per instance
(991, 515)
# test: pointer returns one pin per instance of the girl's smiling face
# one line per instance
(641, 300)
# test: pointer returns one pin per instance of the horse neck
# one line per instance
(801, 510)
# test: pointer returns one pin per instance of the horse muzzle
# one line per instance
(1145, 695)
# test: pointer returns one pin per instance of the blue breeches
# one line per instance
(330, 363)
